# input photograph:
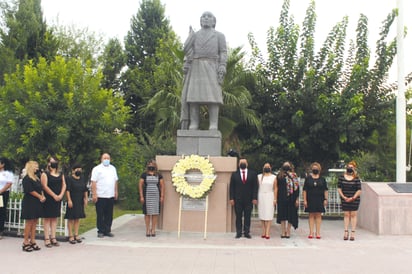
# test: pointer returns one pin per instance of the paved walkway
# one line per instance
(130, 251)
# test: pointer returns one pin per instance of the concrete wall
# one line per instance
(384, 211)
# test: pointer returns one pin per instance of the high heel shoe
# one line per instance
(35, 247)
(54, 242)
(72, 240)
(352, 236)
(77, 239)
(47, 243)
(346, 235)
(27, 247)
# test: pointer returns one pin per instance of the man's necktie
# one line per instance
(243, 177)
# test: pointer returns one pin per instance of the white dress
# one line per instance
(266, 196)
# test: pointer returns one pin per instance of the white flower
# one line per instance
(193, 162)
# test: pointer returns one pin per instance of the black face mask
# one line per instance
(286, 168)
(78, 173)
(349, 170)
(38, 173)
(315, 171)
(151, 168)
(267, 169)
(54, 165)
(242, 166)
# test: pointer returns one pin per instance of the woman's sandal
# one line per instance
(35, 246)
(27, 248)
(346, 235)
(72, 240)
(47, 243)
(79, 240)
(352, 236)
(54, 242)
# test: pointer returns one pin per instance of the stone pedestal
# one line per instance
(384, 211)
(199, 142)
(220, 213)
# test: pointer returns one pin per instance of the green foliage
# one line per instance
(149, 27)
(25, 35)
(113, 60)
(319, 106)
(58, 108)
(78, 43)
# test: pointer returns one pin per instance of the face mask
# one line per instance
(349, 170)
(286, 168)
(54, 165)
(151, 168)
(38, 173)
(267, 169)
(242, 166)
(106, 162)
(315, 171)
(78, 173)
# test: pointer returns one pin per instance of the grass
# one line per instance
(90, 221)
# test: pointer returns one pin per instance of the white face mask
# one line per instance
(106, 162)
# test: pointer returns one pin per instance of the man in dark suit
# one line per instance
(243, 195)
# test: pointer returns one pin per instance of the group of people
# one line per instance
(281, 191)
(43, 195)
(44, 192)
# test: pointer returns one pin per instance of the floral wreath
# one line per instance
(189, 163)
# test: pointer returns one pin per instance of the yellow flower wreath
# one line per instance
(193, 162)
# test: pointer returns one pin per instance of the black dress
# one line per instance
(77, 188)
(52, 207)
(32, 208)
(286, 207)
(315, 193)
(349, 189)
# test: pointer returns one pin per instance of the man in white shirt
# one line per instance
(104, 192)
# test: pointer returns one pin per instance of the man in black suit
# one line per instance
(243, 195)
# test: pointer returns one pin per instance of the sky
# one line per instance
(235, 18)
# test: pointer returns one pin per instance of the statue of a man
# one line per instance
(205, 69)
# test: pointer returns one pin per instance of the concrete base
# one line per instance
(199, 142)
(220, 213)
(384, 211)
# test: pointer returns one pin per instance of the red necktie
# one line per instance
(243, 177)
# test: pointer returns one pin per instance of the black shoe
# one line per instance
(100, 235)
(248, 236)
(109, 234)
(238, 236)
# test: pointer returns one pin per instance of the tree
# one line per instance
(58, 108)
(25, 35)
(315, 108)
(78, 43)
(148, 28)
(113, 60)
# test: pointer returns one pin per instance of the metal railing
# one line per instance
(15, 223)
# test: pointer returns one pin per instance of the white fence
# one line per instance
(15, 223)
(334, 207)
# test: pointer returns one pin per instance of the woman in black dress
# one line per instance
(349, 188)
(287, 195)
(151, 189)
(315, 198)
(32, 207)
(54, 186)
(76, 194)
